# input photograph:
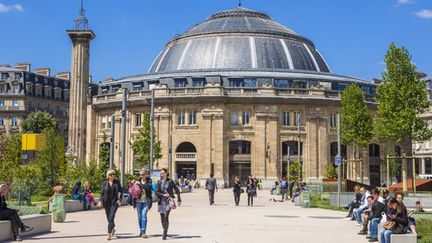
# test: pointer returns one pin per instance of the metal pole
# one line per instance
(170, 146)
(299, 145)
(404, 173)
(414, 176)
(340, 154)
(288, 164)
(152, 129)
(388, 171)
(123, 142)
(112, 142)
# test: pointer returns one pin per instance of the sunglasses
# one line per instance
(111, 174)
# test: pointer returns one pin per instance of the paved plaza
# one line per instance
(196, 221)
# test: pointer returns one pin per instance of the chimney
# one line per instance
(63, 75)
(23, 66)
(43, 71)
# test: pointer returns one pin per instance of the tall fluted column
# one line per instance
(79, 91)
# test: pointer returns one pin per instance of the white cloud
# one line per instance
(424, 14)
(9, 8)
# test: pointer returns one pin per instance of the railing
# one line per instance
(12, 108)
(282, 92)
(185, 156)
(186, 91)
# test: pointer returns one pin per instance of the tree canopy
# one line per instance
(141, 145)
(356, 120)
(37, 122)
(402, 98)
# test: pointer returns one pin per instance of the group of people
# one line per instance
(142, 193)
(371, 208)
(83, 194)
(287, 189)
(251, 189)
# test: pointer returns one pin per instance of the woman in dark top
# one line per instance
(110, 198)
(165, 193)
(236, 190)
(11, 215)
(250, 190)
(398, 215)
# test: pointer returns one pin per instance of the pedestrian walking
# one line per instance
(211, 186)
(236, 190)
(291, 187)
(144, 203)
(250, 190)
(284, 189)
(165, 193)
(110, 199)
(12, 215)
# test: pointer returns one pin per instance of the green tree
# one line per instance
(402, 98)
(36, 122)
(141, 145)
(356, 119)
(331, 171)
(51, 160)
(10, 157)
(104, 158)
(295, 170)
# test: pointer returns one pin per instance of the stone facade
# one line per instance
(23, 91)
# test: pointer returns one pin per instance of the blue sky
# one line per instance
(353, 36)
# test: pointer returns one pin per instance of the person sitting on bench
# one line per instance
(11, 214)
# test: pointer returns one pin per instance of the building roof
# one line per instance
(239, 39)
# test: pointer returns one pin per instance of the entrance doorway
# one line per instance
(185, 158)
(240, 160)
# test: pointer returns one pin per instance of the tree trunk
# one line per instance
(407, 152)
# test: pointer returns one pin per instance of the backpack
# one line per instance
(284, 184)
(135, 191)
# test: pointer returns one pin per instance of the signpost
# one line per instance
(338, 158)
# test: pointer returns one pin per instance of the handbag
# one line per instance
(242, 190)
(172, 203)
(389, 225)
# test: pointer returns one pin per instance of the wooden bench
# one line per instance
(40, 222)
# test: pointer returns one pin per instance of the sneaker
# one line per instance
(164, 237)
(373, 240)
(26, 229)
(348, 218)
(18, 238)
(144, 236)
(368, 237)
(362, 232)
(358, 224)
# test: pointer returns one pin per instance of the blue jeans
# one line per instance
(358, 214)
(385, 236)
(142, 209)
(373, 231)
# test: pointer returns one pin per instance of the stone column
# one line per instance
(78, 91)
(423, 166)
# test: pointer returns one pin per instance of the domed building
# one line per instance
(237, 94)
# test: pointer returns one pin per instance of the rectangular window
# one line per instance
(282, 83)
(103, 122)
(114, 89)
(1, 102)
(5, 76)
(300, 85)
(192, 118)
(286, 119)
(109, 121)
(180, 83)
(16, 88)
(235, 83)
(1, 121)
(181, 118)
(152, 84)
(15, 102)
(3, 88)
(234, 118)
(14, 121)
(138, 120)
(198, 82)
(297, 118)
(250, 83)
(105, 90)
(18, 76)
(246, 116)
(137, 87)
(333, 120)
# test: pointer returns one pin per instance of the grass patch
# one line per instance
(324, 204)
(424, 227)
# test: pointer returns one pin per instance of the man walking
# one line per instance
(284, 189)
(211, 186)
